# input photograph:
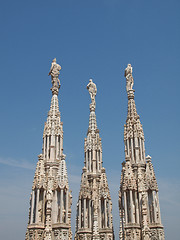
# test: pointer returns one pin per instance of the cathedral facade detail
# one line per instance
(94, 206)
(50, 201)
(140, 217)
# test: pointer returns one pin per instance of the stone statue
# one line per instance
(129, 78)
(92, 90)
(54, 72)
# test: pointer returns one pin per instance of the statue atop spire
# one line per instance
(54, 72)
(92, 91)
(129, 78)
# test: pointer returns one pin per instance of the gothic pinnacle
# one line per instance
(54, 72)
(138, 196)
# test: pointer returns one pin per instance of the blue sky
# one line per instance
(90, 39)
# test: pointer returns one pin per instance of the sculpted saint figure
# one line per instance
(129, 78)
(54, 72)
(92, 90)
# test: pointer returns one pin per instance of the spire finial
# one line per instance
(92, 91)
(54, 72)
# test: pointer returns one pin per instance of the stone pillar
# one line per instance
(86, 159)
(47, 155)
(37, 203)
(100, 220)
(57, 147)
(132, 150)
(90, 161)
(143, 146)
(90, 221)
(43, 205)
(132, 207)
(67, 206)
(93, 161)
(32, 207)
(79, 213)
(125, 207)
(136, 150)
(137, 207)
(140, 149)
(154, 207)
(84, 212)
(61, 206)
(128, 150)
(98, 165)
(105, 211)
(56, 207)
(52, 149)
(44, 146)
(159, 214)
(61, 145)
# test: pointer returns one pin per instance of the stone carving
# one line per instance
(94, 207)
(92, 91)
(138, 197)
(54, 72)
(129, 78)
(50, 203)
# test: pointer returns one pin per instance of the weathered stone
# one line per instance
(50, 203)
(138, 196)
(94, 207)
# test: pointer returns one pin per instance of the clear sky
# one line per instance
(90, 39)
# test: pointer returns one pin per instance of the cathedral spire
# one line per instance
(94, 207)
(50, 204)
(133, 131)
(138, 196)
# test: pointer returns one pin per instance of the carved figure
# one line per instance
(129, 78)
(92, 90)
(54, 72)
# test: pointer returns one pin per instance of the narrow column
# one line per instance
(132, 207)
(84, 212)
(143, 146)
(158, 207)
(55, 207)
(32, 207)
(100, 159)
(90, 225)
(100, 222)
(128, 147)
(105, 211)
(79, 213)
(44, 142)
(98, 162)
(43, 205)
(136, 150)
(93, 161)
(47, 155)
(125, 207)
(66, 206)
(137, 207)
(90, 161)
(86, 159)
(154, 207)
(132, 150)
(56, 147)
(61, 206)
(37, 203)
(61, 145)
(140, 149)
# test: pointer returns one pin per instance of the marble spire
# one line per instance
(140, 217)
(50, 201)
(94, 206)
